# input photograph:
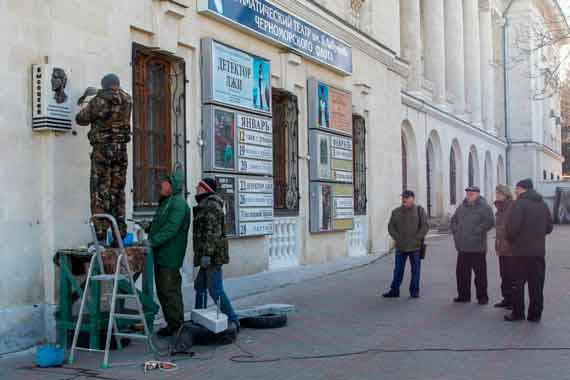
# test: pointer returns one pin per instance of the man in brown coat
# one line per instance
(504, 204)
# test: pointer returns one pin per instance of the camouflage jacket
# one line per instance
(209, 235)
(109, 114)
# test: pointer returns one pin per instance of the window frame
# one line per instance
(359, 165)
(176, 120)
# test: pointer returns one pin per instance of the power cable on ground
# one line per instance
(250, 358)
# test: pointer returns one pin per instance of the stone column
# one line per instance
(487, 69)
(434, 60)
(410, 30)
(455, 54)
(472, 59)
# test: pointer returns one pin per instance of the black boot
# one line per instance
(391, 294)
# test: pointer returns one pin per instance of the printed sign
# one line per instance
(255, 200)
(329, 207)
(256, 138)
(255, 152)
(332, 157)
(255, 186)
(329, 108)
(256, 228)
(255, 214)
(247, 201)
(235, 78)
(51, 103)
(236, 142)
(227, 190)
(255, 167)
(280, 27)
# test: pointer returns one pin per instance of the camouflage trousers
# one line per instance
(108, 179)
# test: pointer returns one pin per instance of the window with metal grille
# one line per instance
(452, 178)
(359, 162)
(159, 113)
(285, 152)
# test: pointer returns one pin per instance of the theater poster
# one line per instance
(235, 78)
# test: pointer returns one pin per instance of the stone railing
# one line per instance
(284, 243)
(357, 238)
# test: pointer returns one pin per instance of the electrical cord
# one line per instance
(250, 358)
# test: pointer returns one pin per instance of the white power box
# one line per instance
(211, 319)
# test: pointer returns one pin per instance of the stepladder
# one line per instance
(122, 277)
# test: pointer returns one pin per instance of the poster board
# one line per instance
(330, 108)
(332, 157)
(332, 207)
(237, 142)
(248, 204)
(234, 78)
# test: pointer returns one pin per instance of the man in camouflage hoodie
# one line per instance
(211, 248)
(109, 114)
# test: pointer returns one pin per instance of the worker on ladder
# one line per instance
(168, 237)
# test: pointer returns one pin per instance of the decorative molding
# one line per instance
(420, 105)
(322, 18)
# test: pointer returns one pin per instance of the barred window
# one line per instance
(471, 170)
(285, 153)
(159, 139)
(452, 178)
(359, 157)
(404, 165)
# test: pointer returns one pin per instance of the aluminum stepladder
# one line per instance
(122, 273)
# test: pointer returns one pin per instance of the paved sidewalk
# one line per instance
(343, 313)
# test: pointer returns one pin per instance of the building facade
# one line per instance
(469, 111)
(420, 103)
(156, 48)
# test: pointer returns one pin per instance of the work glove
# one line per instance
(205, 262)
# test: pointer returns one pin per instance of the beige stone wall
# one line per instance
(45, 205)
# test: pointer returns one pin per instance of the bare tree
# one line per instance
(543, 44)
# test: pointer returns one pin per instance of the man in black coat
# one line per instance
(528, 225)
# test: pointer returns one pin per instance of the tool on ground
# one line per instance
(122, 273)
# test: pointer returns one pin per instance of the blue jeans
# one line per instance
(212, 280)
(416, 263)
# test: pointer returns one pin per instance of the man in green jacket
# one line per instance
(408, 227)
(168, 238)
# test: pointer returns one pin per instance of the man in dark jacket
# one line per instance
(109, 114)
(528, 225)
(470, 224)
(408, 227)
(211, 248)
(504, 205)
(168, 237)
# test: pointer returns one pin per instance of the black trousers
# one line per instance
(507, 281)
(467, 262)
(529, 270)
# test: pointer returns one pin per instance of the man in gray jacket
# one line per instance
(470, 224)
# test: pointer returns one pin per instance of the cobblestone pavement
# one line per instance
(344, 313)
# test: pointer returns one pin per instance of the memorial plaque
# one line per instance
(329, 108)
(51, 103)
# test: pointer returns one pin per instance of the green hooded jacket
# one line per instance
(168, 234)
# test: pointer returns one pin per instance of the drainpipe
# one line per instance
(506, 93)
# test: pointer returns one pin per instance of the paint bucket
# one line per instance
(49, 356)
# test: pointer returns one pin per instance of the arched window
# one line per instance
(452, 178)
(544, 175)
(471, 170)
(552, 176)
(404, 165)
